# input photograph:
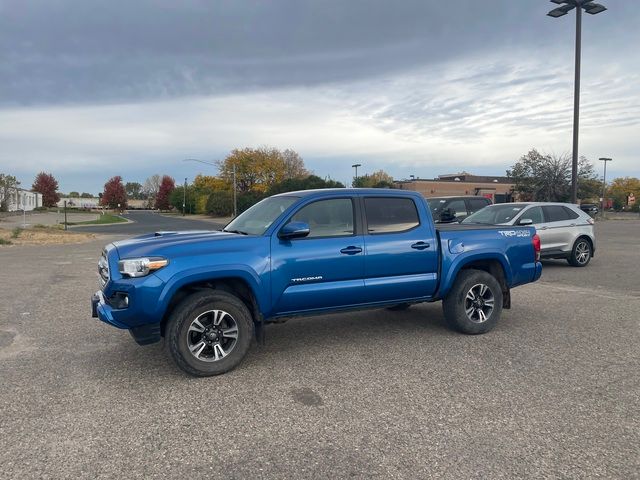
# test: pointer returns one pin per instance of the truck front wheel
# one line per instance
(474, 304)
(209, 333)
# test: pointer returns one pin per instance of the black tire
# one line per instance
(399, 307)
(581, 253)
(457, 303)
(200, 307)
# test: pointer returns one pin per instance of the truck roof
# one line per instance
(348, 191)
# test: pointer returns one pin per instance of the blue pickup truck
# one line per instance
(300, 253)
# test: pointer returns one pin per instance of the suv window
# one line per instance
(534, 214)
(572, 215)
(388, 215)
(555, 213)
(457, 208)
(327, 218)
(476, 204)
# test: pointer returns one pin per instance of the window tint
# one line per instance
(476, 204)
(555, 213)
(386, 215)
(572, 215)
(534, 214)
(327, 218)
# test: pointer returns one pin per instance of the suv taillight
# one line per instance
(536, 246)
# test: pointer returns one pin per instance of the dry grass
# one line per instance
(44, 236)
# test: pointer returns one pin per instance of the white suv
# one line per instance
(565, 231)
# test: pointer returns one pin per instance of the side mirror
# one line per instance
(525, 221)
(294, 230)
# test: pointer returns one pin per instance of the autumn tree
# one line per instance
(256, 169)
(379, 179)
(114, 195)
(293, 165)
(167, 185)
(47, 185)
(621, 188)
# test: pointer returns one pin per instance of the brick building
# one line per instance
(498, 189)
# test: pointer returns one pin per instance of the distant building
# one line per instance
(498, 189)
(20, 199)
(77, 202)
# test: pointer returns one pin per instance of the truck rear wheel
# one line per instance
(474, 304)
(209, 333)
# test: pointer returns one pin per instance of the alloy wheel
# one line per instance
(212, 335)
(479, 303)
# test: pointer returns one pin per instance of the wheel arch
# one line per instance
(234, 285)
(495, 268)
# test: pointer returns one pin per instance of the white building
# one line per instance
(20, 199)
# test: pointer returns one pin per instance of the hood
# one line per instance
(168, 243)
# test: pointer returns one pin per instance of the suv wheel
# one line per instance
(209, 333)
(581, 253)
(474, 303)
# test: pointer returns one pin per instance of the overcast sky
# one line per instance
(92, 89)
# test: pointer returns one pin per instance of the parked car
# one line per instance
(302, 253)
(455, 209)
(565, 230)
(590, 208)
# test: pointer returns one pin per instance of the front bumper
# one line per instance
(143, 334)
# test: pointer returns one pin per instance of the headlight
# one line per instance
(139, 267)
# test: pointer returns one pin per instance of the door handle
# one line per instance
(351, 250)
(420, 245)
(543, 228)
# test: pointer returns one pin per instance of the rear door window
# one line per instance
(457, 208)
(534, 214)
(390, 215)
(572, 215)
(476, 204)
(555, 213)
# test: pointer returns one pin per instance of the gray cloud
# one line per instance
(54, 51)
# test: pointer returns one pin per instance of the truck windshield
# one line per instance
(258, 218)
(495, 214)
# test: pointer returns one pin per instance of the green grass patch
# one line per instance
(15, 233)
(101, 220)
(4, 241)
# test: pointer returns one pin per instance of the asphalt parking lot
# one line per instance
(553, 391)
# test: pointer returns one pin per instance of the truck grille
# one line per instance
(103, 269)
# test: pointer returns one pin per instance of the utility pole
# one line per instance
(184, 196)
(235, 193)
(604, 184)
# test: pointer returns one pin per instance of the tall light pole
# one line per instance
(604, 183)
(235, 196)
(593, 9)
(184, 196)
(356, 167)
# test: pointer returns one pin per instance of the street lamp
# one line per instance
(591, 8)
(235, 196)
(604, 182)
(356, 167)
(184, 196)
